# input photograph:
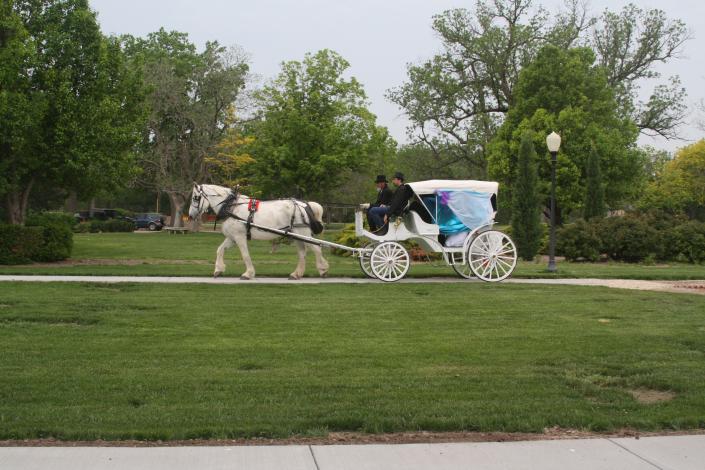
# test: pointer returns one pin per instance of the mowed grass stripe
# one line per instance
(88, 361)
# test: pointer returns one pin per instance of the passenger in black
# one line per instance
(376, 211)
(400, 199)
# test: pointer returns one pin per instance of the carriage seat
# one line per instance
(415, 224)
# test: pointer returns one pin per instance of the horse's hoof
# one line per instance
(293, 278)
(217, 274)
(244, 278)
(324, 274)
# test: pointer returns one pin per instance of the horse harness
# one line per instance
(253, 206)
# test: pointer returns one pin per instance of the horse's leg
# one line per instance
(249, 273)
(301, 266)
(321, 263)
(220, 257)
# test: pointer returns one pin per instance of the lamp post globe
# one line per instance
(553, 142)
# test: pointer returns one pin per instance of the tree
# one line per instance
(680, 186)
(563, 90)
(313, 125)
(189, 98)
(526, 213)
(595, 194)
(70, 108)
(457, 100)
(229, 162)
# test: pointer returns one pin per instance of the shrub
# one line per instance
(116, 225)
(687, 242)
(579, 242)
(19, 245)
(96, 226)
(46, 218)
(83, 227)
(347, 237)
(57, 243)
(628, 238)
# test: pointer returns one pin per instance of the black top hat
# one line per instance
(399, 175)
(381, 179)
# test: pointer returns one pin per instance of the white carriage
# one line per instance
(451, 217)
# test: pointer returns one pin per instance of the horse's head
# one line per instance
(199, 202)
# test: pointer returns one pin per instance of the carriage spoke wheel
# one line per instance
(365, 260)
(389, 261)
(492, 256)
(462, 269)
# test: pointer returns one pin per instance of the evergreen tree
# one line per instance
(595, 196)
(526, 222)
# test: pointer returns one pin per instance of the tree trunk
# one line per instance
(71, 204)
(177, 208)
(16, 203)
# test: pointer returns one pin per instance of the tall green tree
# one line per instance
(313, 125)
(189, 98)
(70, 107)
(526, 205)
(457, 100)
(563, 90)
(594, 194)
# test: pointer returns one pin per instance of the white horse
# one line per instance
(278, 214)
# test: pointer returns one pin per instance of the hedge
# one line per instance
(633, 238)
(19, 245)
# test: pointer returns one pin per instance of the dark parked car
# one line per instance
(151, 222)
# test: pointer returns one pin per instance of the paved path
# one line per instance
(662, 286)
(649, 453)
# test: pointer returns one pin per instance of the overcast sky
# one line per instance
(377, 37)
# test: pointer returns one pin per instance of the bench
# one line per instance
(179, 230)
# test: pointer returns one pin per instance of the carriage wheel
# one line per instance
(462, 269)
(492, 256)
(390, 261)
(365, 260)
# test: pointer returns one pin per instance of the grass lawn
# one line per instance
(160, 254)
(129, 361)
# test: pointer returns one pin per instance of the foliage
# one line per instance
(628, 238)
(46, 218)
(18, 244)
(70, 107)
(526, 210)
(679, 185)
(579, 241)
(190, 98)
(228, 163)
(110, 225)
(313, 125)
(457, 100)
(687, 242)
(563, 90)
(347, 237)
(594, 205)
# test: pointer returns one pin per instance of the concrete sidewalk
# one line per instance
(691, 287)
(665, 453)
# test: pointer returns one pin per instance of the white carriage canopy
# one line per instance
(458, 206)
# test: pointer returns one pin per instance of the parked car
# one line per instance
(149, 221)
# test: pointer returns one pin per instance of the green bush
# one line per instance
(57, 243)
(43, 219)
(687, 242)
(19, 245)
(83, 227)
(579, 241)
(628, 238)
(117, 225)
(347, 237)
(96, 226)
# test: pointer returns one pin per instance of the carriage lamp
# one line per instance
(553, 142)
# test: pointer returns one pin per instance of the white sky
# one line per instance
(377, 37)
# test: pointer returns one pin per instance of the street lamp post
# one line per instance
(553, 141)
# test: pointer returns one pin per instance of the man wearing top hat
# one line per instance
(378, 209)
(401, 197)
